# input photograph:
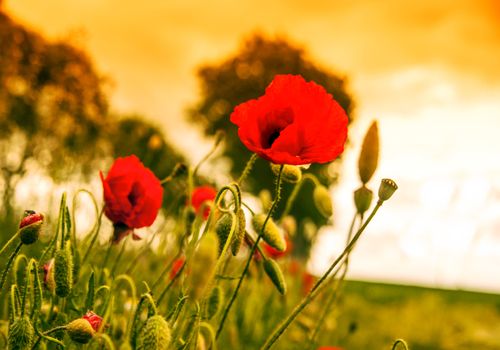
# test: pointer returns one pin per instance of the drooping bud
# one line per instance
(214, 302)
(289, 224)
(223, 228)
(48, 276)
(63, 271)
(240, 232)
(291, 173)
(266, 200)
(323, 201)
(271, 234)
(21, 334)
(80, 331)
(362, 199)
(273, 271)
(154, 335)
(94, 319)
(203, 263)
(386, 189)
(368, 158)
(30, 227)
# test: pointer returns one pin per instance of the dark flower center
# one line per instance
(270, 140)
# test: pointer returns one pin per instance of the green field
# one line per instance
(372, 315)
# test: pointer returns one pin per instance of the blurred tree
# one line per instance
(245, 76)
(54, 115)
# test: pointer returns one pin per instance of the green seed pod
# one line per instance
(155, 334)
(203, 264)
(63, 271)
(214, 302)
(368, 158)
(240, 232)
(291, 173)
(323, 201)
(29, 234)
(289, 224)
(80, 331)
(362, 199)
(271, 234)
(386, 189)
(21, 334)
(223, 228)
(273, 270)
(125, 346)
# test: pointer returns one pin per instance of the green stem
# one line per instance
(248, 168)
(9, 263)
(9, 242)
(400, 341)
(280, 329)
(177, 275)
(250, 256)
(97, 227)
(118, 258)
(218, 139)
(296, 190)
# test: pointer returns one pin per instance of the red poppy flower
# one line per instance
(200, 196)
(132, 196)
(295, 122)
(94, 319)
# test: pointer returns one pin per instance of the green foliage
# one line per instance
(244, 76)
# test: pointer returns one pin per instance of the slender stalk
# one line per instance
(118, 258)
(97, 227)
(218, 139)
(280, 329)
(296, 190)
(250, 256)
(400, 341)
(247, 169)
(164, 292)
(7, 267)
(9, 242)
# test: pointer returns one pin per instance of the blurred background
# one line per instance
(82, 82)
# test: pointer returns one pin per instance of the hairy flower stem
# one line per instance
(248, 168)
(13, 238)
(9, 263)
(45, 336)
(333, 295)
(280, 329)
(96, 229)
(400, 341)
(118, 258)
(296, 190)
(254, 248)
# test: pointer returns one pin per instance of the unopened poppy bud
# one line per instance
(63, 271)
(21, 334)
(271, 234)
(214, 302)
(240, 232)
(266, 200)
(289, 224)
(368, 158)
(273, 271)
(323, 201)
(362, 199)
(30, 227)
(48, 276)
(154, 335)
(223, 228)
(80, 331)
(386, 189)
(291, 173)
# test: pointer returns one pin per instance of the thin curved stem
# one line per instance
(12, 239)
(280, 329)
(402, 342)
(97, 227)
(9, 263)
(252, 251)
(296, 190)
(248, 168)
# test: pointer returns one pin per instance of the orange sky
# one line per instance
(428, 70)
